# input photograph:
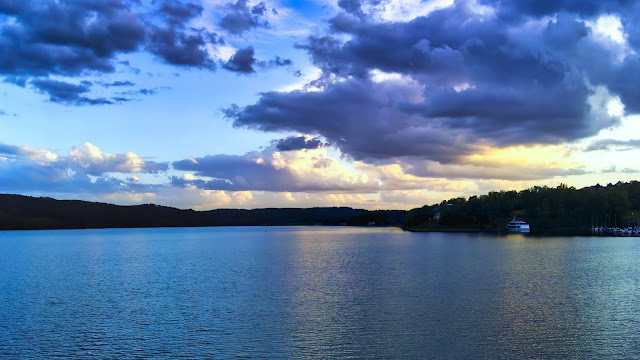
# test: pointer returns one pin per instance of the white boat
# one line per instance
(518, 226)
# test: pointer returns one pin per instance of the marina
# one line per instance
(616, 231)
(632, 228)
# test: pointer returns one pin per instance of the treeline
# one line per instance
(310, 216)
(23, 212)
(19, 212)
(562, 209)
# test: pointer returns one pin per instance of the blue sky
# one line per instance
(374, 104)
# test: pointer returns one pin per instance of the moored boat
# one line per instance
(518, 226)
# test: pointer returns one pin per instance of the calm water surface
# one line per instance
(315, 292)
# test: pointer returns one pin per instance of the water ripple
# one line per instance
(312, 292)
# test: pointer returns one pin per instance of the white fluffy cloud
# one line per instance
(88, 158)
(84, 169)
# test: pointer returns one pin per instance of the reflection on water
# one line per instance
(315, 292)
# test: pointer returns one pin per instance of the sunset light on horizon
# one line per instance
(209, 104)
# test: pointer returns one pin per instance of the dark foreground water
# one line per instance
(314, 292)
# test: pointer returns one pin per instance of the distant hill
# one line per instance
(18, 212)
(559, 210)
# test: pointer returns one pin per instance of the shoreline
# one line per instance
(556, 232)
(546, 232)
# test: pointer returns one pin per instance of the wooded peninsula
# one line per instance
(559, 210)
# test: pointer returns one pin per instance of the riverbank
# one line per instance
(572, 231)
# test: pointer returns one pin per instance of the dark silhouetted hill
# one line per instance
(559, 210)
(18, 212)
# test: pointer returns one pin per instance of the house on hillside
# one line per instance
(436, 211)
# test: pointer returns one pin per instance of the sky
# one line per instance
(375, 104)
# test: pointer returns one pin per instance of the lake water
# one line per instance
(316, 292)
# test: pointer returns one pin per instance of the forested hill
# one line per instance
(19, 212)
(548, 210)
(562, 210)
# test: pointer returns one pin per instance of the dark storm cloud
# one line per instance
(66, 93)
(446, 47)
(244, 61)
(292, 143)
(521, 10)
(74, 38)
(177, 12)
(66, 37)
(178, 44)
(360, 117)
(608, 144)
(240, 17)
(533, 114)
(41, 38)
(429, 45)
(483, 79)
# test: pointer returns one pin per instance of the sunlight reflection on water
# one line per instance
(316, 292)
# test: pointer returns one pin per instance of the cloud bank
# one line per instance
(441, 86)
(84, 170)
(42, 41)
